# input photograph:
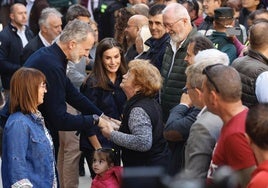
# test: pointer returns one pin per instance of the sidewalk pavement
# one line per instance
(84, 182)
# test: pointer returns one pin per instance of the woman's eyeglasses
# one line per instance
(43, 85)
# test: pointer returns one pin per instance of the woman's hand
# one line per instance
(106, 127)
(114, 122)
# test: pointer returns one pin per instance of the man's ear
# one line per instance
(44, 28)
(11, 16)
(71, 44)
(219, 2)
(184, 20)
(198, 91)
(214, 97)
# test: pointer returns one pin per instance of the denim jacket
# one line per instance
(27, 152)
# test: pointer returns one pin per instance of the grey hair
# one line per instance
(46, 13)
(75, 30)
(203, 59)
(178, 10)
(210, 57)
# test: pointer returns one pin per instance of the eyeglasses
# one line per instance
(170, 25)
(206, 71)
(186, 89)
(43, 85)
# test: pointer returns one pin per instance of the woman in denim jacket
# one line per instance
(28, 152)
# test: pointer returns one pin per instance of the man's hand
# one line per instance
(114, 122)
(185, 99)
(107, 126)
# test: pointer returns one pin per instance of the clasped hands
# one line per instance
(107, 125)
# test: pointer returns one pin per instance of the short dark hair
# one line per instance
(258, 36)
(225, 80)
(156, 9)
(257, 125)
(201, 43)
(252, 15)
(75, 11)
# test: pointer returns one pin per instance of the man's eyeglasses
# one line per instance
(170, 25)
(186, 89)
(206, 71)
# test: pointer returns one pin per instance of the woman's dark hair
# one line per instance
(193, 5)
(99, 71)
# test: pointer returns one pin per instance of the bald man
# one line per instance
(134, 25)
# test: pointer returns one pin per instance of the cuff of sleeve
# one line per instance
(22, 183)
(185, 105)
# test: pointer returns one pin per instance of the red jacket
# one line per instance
(111, 178)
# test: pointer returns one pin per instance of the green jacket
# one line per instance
(174, 82)
(224, 44)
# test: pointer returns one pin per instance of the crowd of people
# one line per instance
(174, 84)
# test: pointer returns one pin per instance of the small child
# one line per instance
(107, 175)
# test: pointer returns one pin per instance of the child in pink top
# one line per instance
(107, 175)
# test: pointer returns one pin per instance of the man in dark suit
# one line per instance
(50, 27)
(13, 38)
(35, 13)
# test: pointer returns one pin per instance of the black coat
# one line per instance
(32, 46)
(156, 51)
(10, 52)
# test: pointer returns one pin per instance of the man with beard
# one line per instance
(50, 28)
(178, 25)
(75, 42)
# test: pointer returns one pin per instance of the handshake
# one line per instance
(107, 125)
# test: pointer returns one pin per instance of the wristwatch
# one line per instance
(95, 119)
